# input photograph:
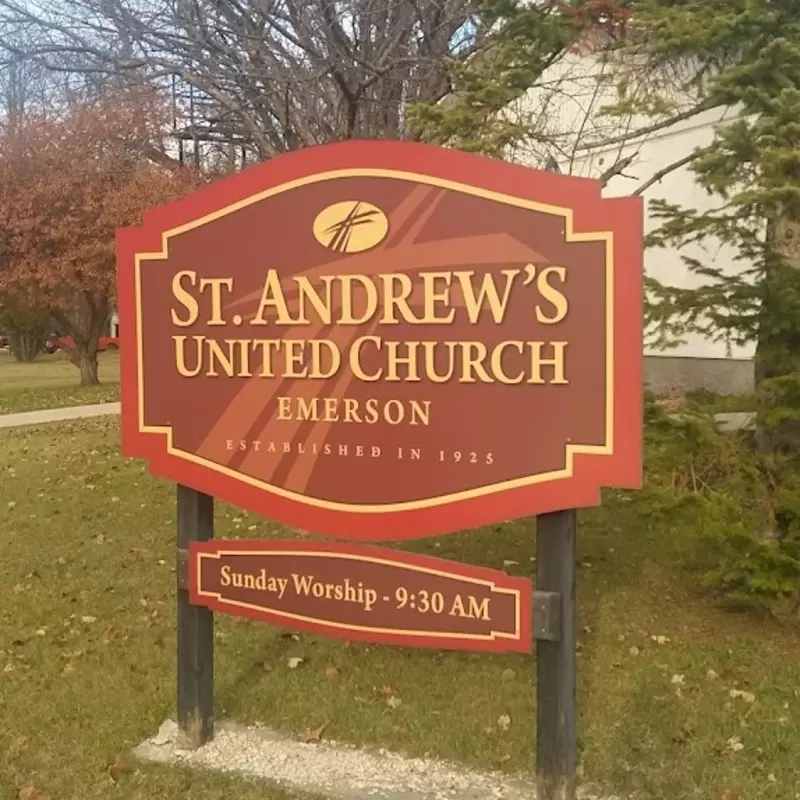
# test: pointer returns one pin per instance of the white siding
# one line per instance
(571, 117)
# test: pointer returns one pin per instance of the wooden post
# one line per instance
(195, 625)
(556, 712)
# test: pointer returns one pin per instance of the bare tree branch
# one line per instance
(617, 168)
(272, 74)
(638, 133)
(662, 173)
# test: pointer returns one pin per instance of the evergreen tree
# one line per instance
(744, 55)
(677, 59)
(526, 39)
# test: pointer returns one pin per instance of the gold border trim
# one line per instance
(493, 588)
(571, 236)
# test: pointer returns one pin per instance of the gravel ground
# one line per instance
(336, 771)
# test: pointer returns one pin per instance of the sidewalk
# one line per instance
(58, 414)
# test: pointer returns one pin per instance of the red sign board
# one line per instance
(385, 340)
(364, 594)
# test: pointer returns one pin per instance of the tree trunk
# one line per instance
(86, 361)
(84, 326)
(777, 358)
(26, 345)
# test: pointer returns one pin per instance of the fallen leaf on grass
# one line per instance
(729, 794)
(735, 744)
(504, 722)
(331, 672)
(294, 662)
(393, 702)
(634, 651)
(386, 690)
(17, 746)
(313, 734)
(29, 792)
(508, 675)
(748, 697)
(712, 675)
(678, 680)
(660, 639)
(116, 770)
(683, 735)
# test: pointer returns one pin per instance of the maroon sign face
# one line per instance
(386, 340)
(364, 593)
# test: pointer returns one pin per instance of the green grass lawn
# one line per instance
(52, 382)
(678, 698)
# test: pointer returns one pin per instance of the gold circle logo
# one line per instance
(350, 226)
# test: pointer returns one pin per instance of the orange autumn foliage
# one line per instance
(65, 186)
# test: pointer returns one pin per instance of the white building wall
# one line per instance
(572, 120)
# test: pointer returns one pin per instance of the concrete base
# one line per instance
(668, 374)
(334, 771)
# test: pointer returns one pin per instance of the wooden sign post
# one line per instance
(195, 624)
(384, 341)
(556, 709)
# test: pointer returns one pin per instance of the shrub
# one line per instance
(741, 506)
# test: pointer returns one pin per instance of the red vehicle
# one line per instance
(67, 343)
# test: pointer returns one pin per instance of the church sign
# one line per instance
(382, 340)
(386, 341)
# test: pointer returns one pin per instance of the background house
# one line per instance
(575, 136)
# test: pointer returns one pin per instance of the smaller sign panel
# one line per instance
(364, 593)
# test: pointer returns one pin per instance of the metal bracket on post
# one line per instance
(547, 616)
(182, 568)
